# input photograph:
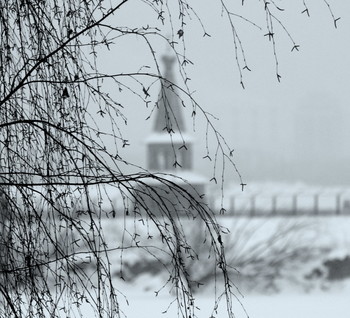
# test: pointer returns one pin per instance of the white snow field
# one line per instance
(320, 304)
(277, 306)
(319, 298)
(296, 296)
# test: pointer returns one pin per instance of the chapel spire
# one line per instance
(169, 151)
(169, 147)
(169, 116)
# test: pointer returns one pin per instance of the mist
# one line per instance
(295, 130)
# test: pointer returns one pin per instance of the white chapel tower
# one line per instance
(170, 147)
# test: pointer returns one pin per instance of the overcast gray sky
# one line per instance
(295, 130)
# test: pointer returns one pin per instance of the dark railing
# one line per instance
(287, 204)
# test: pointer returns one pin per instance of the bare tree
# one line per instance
(53, 151)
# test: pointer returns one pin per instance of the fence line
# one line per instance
(283, 204)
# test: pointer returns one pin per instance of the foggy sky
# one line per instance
(295, 130)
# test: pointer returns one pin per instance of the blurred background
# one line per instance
(289, 228)
(296, 130)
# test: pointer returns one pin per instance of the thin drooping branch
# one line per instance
(15, 87)
(57, 170)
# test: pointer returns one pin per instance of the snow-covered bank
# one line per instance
(277, 306)
(285, 305)
(322, 298)
(291, 253)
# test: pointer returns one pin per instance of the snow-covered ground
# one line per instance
(319, 298)
(287, 305)
(295, 297)
(320, 304)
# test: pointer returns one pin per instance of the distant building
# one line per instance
(170, 151)
(169, 146)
